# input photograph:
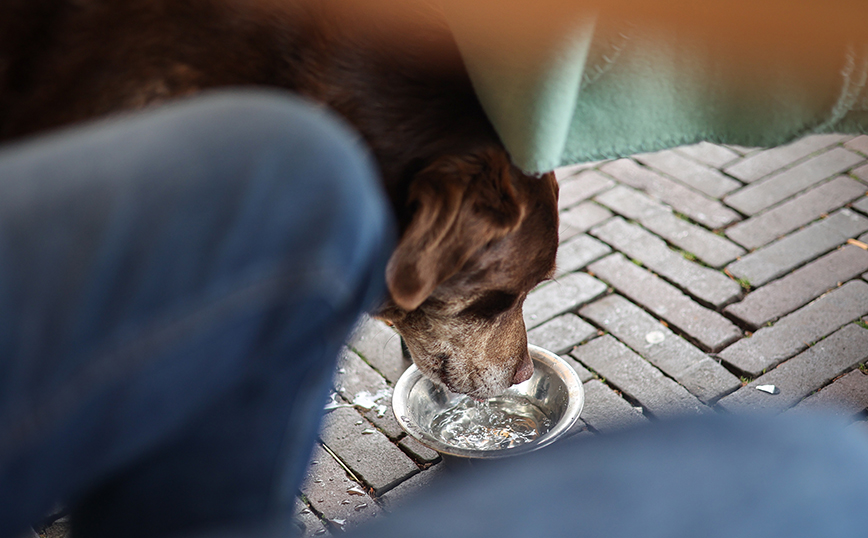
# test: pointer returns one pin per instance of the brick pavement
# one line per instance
(686, 278)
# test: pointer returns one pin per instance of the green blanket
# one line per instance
(607, 89)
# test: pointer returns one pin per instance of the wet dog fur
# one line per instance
(477, 234)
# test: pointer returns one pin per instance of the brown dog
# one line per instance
(476, 233)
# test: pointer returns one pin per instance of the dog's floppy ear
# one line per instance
(460, 204)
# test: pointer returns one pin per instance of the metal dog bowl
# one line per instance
(554, 391)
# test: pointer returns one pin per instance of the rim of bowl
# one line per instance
(575, 394)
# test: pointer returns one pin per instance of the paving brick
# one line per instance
(861, 172)
(382, 417)
(711, 154)
(707, 327)
(560, 296)
(689, 172)
(862, 205)
(705, 211)
(845, 397)
(765, 162)
(796, 289)
(794, 250)
(566, 172)
(634, 376)
(708, 247)
(584, 374)
(578, 252)
(703, 377)
(804, 373)
(794, 332)
(706, 284)
(333, 495)
(605, 411)
(768, 192)
(405, 491)
(801, 210)
(380, 346)
(560, 334)
(580, 219)
(741, 150)
(354, 377)
(582, 187)
(370, 455)
(418, 451)
(860, 144)
(309, 524)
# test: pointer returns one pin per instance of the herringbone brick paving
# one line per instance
(748, 266)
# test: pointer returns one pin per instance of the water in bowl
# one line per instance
(494, 424)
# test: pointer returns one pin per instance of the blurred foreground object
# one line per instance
(566, 82)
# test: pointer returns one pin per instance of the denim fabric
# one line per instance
(174, 288)
(710, 477)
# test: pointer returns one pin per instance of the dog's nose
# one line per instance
(524, 370)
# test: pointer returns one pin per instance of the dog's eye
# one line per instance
(492, 304)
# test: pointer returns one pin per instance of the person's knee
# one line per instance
(312, 164)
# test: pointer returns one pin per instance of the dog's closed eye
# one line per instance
(491, 304)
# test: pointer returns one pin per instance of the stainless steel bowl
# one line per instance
(554, 388)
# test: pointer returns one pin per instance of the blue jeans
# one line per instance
(710, 477)
(174, 289)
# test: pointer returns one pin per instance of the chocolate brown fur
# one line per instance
(476, 233)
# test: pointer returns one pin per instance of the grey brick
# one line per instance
(860, 144)
(383, 418)
(584, 374)
(702, 376)
(741, 150)
(705, 326)
(371, 456)
(784, 255)
(577, 252)
(845, 397)
(580, 219)
(560, 296)
(380, 346)
(765, 162)
(582, 187)
(605, 411)
(793, 333)
(861, 172)
(708, 247)
(327, 489)
(310, 524)
(801, 210)
(803, 374)
(635, 377)
(566, 172)
(405, 491)
(707, 381)
(705, 211)
(862, 205)
(782, 296)
(560, 334)
(689, 172)
(768, 192)
(418, 451)
(703, 283)
(710, 154)
(354, 377)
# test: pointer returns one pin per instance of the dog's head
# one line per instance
(481, 235)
